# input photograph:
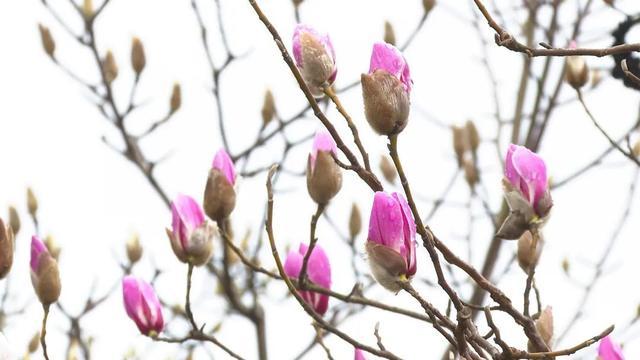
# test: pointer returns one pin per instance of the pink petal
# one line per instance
(142, 305)
(359, 355)
(186, 215)
(293, 264)
(131, 296)
(532, 170)
(509, 170)
(608, 350)
(409, 229)
(37, 248)
(319, 269)
(323, 141)
(387, 57)
(386, 222)
(223, 162)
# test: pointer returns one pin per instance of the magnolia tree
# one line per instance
(429, 293)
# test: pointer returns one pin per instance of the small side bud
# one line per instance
(636, 149)
(268, 108)
(87, 9)
(529, 250)
(388, 170)
(176, 99)
(324, 178)
(44, 273)
(32, 202)
(6, 249)
(544, 325)
(219, 194)
(355, 221)
(566, 266)
(109, 67)
(48, 44)
(14, 220)
(34, 343)
(459, 143)
(577, 71)
(472, 136)
(134, 249)
(389, 33)
(138, 58)
(428, 5)
(470, 173)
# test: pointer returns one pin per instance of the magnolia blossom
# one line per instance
(324, 177)
(386, 89)
(219, 194)
(191, 235)
(142, 305)
(359, 355)
(391, 244)
(608, 350)
(527, 173)
(44, 272)
(315, 57)
(318, 272)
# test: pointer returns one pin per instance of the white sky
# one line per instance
(92, 199)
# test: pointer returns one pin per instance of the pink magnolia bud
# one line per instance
(324, 178)
(44, 273)
(527, 172)
(318, 271)
(314, 57)
(608, 350)
(219, 194)
(359, 355)
(386, 89)
(391, 244)
(142, 305)
(191, 235)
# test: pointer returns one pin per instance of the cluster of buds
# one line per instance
(526, 189)
(391, 244)
(142, 306)
(318, 271)
(315, 57)
(577, 71)
(386, 89)
(45, 276)
(191, 235)
(324, 177)
(608, 350)
(219, 193)
(7, 245)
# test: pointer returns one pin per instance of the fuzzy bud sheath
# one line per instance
(324, 177)
(191, 235)
(315, 57)
(219, 194)
(7, 245)
(44, 273)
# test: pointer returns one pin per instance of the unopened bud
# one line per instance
(268, 108)
(609, 2)
(544, 325)
(73, 351)
(32, 202)
(636, 149)
(134, 249)
(44, 273)
(6, 249)
(219, 194)
(87, 9)
(577, 71)
(138, 59)
(529, 250)
(566, 266)
(315, 57)
(34, 343)
(459, 143)
(109, 67)
(470, 173)
(48, 44)
(176, 99)
(52, 246)
(14, 220)
(428, 5)
(596, 78)
(472, 136)
(389, 33)
(388, 170)
(355, 221)
(324, 178)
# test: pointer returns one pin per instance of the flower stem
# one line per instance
(187, 305)
(43, 332)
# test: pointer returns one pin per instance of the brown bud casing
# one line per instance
(470, 173)
(138, 58)
(6, 249)
(109, 67)
(87, 9)
(268, 108)
(46, 281)
(176, 99)
(325, 180)
(48, 44)
(134, 249)
(386, 102)
(355, 221)
(577, 72)
(14, 220)
(388, 169)
(459, 143)
(219, 196)
(529, 250)
(472, 135)
(318, 65)
(389, 34)
(32, 202)
(544, 325)
(428, 5)
(386, 265)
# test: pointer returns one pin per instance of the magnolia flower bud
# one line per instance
(6, 249)
(391, 244)
(314, 57)
(358, 355)
(142, 306)
(389, 33)
(355, 221)
(134, 249)
(566, 266)
(470, 173)
(268, 108)
(52, 247)
(44, 273)
(609, 2)
(459, 143)
(34, 343)
(577, 71)
(14, 220)
(48, 44)
(318, 271)
(138, 59)
(176, 99)
(388, 169)
(32, 202)
(324, 178)
(191, 235)
(386, 89)
(87, 9)
(109, 68)
(544, 325)
(428, 5)
(636, 149)
(529, 250)
(472, 136)
(608, 350)
(526, 189)
(596, 77)
(219, 194)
